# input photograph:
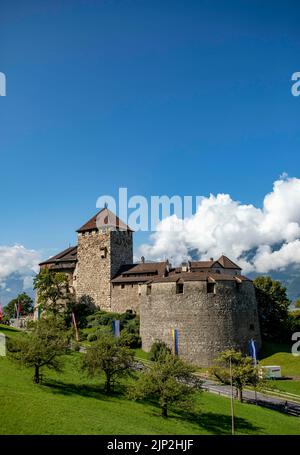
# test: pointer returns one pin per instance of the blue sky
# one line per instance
(161, 97)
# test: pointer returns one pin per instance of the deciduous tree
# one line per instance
(242, 370)
(107, 356)
(53, 291)
(169, 381)
(273, 306)
(24, 304)
(43, 345)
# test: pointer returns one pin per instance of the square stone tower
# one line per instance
(104, 245)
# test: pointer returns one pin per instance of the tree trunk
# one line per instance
(240, 392)
(36, 378)
(164, 411)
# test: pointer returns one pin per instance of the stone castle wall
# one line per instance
(100, 255)
(125, 298)
(121, 250)
(207, 323)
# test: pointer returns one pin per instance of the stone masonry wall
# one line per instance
(127, 298)
(93, 271)
(100, 255)
(121, 250)
(207, 323)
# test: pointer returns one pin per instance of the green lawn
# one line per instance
(280, 354)
(287, 386)
(69, 403)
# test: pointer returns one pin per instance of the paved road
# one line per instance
(261, 399)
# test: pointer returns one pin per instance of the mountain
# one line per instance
(14, 285)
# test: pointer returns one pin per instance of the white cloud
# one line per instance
(222, 225)
(20, 260)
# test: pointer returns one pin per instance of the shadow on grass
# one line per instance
(270, 348)
(84, 390)
(217, 423)
(214, 423)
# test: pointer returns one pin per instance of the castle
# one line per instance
(209, 304)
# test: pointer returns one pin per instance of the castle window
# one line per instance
(179, 288)
(122, 286)
(103, 252)
(148, 292)
(251, 327)
(211, 288)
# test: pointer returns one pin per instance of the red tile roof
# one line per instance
(197, 276)
(104, 218)
(223, 261)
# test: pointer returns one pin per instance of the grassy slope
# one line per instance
(69, 403)
(280, 354)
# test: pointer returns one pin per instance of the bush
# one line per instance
(158, 350)
(92, 337)
(132, 340)
(75, 346)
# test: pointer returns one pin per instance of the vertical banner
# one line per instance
(116, 328)
(1, 312)
(252, 350)
(175, 341)
(75, 326)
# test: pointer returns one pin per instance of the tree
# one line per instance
(169, 381)
(158, 349)
(24, 304)
(273, 307)
(44, 344)
(107, 356)
(297, 303)
(81, 308)
(243, 371)
(52, 291)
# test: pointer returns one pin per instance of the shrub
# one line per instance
(132, 340)
(92, 337)
(158, 350)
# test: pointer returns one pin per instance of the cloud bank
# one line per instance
(259, 239)
(18, 260)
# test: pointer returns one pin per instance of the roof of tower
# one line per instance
(227, 263)
(105, 218)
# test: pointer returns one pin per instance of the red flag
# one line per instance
(1, 312)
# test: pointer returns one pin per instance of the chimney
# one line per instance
(143, 260)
